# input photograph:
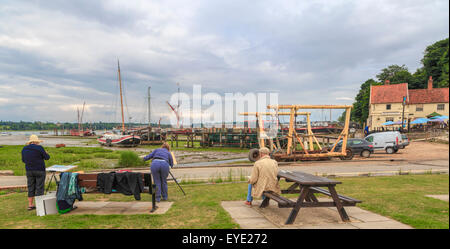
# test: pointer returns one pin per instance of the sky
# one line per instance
(55, 55)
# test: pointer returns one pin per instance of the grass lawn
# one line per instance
(399, 197)
(87, 158)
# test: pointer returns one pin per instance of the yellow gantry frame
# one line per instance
(293, 112)
(261, 127)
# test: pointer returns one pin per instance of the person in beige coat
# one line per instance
(263, 177)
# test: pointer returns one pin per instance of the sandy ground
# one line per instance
(184, 157)
(416, 151)
(48, 140)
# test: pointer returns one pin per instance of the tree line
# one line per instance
(37, 125)
(434, 63)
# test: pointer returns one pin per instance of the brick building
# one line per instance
(386, 103)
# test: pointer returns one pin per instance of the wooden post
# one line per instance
(271, 145)
(310, 139)
(345, 130)
(260, 131)
(291, 128)
(301, 143)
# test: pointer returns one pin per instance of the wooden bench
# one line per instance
(89, 181)
(307, 185)
(348, 200)
(282, 201)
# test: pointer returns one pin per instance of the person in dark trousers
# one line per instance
(33, 155)
(161, 162)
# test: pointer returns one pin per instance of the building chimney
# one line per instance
(387, 82)
(430, 82)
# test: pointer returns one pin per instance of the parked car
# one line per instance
(390, 141)
(355, 146)
(404, 141)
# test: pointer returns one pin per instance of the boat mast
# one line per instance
(149, 110)
(121, 99)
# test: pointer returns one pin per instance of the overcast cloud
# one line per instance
(56, 54)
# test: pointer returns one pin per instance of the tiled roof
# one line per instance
(389, 93)
(424, 96)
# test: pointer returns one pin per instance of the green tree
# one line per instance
(393, 73)
(419, 80)
(435, 62)
(403, 76)
(342, 117)
(360, 110)
(443, 62)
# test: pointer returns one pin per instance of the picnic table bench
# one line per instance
(89, 181)
(306, 185)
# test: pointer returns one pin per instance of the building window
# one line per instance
(389, 119)
(441, 107)
(388, 106)
(419, 108)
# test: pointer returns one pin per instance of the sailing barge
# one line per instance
(119, 138)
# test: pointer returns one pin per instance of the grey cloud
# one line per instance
(312, 52)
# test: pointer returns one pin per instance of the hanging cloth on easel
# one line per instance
(273, 125)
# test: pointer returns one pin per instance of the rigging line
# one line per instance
(126, 107)
(141, 114)
(155, 112)
(116, 102)
(143, 110)
(112, 108)
(125, 100)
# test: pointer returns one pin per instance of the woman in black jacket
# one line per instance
(33, 155)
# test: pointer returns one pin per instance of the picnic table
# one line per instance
(306, 185)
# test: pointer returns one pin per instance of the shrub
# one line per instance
(129, 158)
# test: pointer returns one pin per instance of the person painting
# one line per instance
(33, 155)
(263, 177)
(161, 163)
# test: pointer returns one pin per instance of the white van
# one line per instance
(390, 141)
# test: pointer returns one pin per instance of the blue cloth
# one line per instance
(73, 183)
(249, 194)
(160, 153)
(160, 172)
(62, 194)
(33, 156)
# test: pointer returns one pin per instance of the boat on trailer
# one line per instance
(119, 138)
(111, 139)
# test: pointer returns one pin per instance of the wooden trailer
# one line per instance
(310, 146)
